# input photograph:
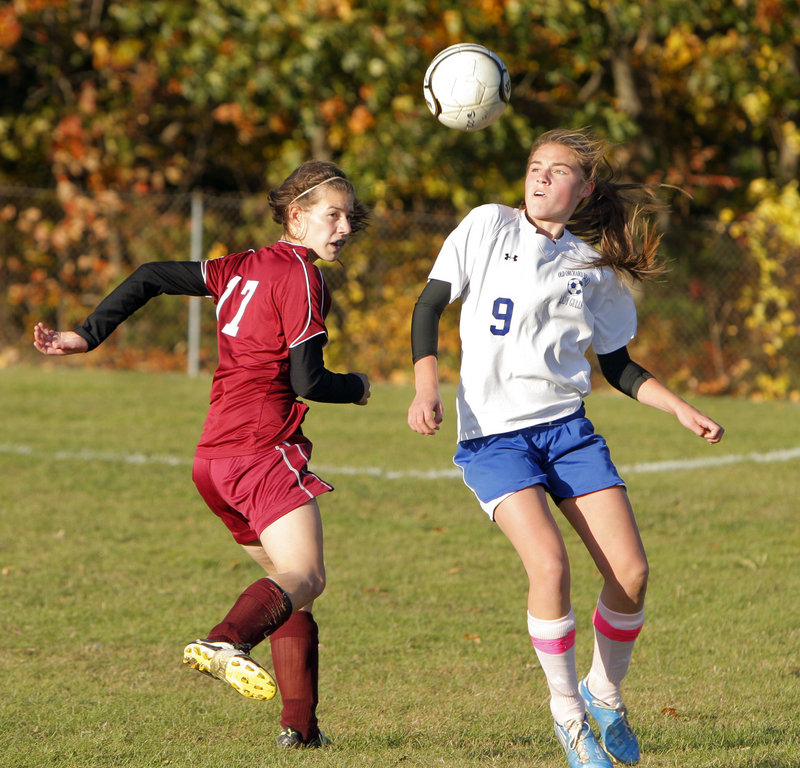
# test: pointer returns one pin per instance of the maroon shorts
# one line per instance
(250, 492)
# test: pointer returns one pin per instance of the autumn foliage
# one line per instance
(112, 113)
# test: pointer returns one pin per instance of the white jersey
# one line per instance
(530, 310)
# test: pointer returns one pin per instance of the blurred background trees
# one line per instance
(113, 111)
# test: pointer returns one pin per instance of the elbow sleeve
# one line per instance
(622, 372)
(425, 319)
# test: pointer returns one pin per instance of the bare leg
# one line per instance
(293, 545)
(256, 551)
(525, 518)
(604, 520)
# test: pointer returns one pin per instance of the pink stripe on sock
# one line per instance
(614, 633)
(556, 645)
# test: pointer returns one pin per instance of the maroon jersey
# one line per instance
(268, 301)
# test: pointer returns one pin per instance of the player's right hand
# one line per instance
(50, 342)
(426, 412)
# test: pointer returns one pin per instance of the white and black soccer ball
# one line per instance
(467, 87)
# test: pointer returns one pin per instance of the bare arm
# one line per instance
(653, 393)
(426, 411)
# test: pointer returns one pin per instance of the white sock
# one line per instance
(554, 643)
(614, 636)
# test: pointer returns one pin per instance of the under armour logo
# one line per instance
(509, 257)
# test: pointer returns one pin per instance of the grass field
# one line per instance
(109, 563)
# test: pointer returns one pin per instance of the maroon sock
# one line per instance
(258, 612)
(295, 659)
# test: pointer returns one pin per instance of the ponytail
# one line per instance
(614, 219)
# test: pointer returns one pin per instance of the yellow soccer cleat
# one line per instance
(224, 661)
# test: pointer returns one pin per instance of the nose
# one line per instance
(344, 226)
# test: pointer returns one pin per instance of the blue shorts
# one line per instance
(567, 457)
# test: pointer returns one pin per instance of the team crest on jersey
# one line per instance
(576, 284)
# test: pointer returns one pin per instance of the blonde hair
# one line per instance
(612, 218)
(304, 187)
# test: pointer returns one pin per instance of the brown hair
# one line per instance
(611, 218)
(306, 184)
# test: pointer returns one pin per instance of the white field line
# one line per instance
(649, 467)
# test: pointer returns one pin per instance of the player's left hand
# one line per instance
(700, 424)
(50, 342)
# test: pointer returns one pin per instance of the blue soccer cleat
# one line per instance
(581, 746)
(616, 733)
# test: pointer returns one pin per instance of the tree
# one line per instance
(106, 100)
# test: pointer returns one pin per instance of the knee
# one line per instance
(316, 584)
(550, 574)
(634, 582)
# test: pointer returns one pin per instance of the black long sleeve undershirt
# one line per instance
(431, 303)
(311, 380)
(309, 377)
(617, 367)
(177, 278)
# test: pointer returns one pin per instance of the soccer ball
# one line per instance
(467, 87)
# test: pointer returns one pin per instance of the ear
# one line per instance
(294, 214)
(587, 190)
(295, 221)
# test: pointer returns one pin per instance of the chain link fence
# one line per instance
(61, 251)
